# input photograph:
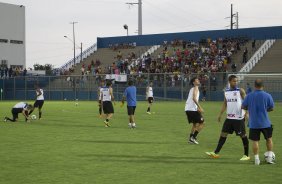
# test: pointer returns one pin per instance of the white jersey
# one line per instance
(105, 91)
(234, 104)
(41, 96)
(150, 92)
(190, 104)
(100, 92)
(20, 105)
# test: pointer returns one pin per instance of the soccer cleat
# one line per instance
(257, 161)
(106, 124)
(270, 162)
(212, 154)
(245, 158)
(148, 112)
(129, 125)
(133, 125)
(5, 119)
(193, 141)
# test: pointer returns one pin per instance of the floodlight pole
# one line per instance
(139, 15)
(73, 34)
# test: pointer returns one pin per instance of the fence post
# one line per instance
(3, 88)
(14, 87)
(164, 86)
(49, 88)
(182, 77)
(25, 86)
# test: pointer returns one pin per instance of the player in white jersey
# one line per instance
(102, 84)
(107, 97)
(194, 111)
(39, 100)
(150, 97)
(235, 120)
(20, 107)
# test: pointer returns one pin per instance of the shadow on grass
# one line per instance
(158, 159)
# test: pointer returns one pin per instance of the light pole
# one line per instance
(139, 15)
(73, 34)
(77, 46)
(126, 27)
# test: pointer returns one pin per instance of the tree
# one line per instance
(47, 67)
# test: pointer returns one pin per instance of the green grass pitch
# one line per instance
(70, 145)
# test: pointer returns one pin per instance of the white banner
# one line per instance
(117, 78)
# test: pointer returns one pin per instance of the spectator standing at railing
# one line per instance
(119, 55)
(82, 69)
(6, 72)
(253, 45)
(245, 55)
(2, 72)
(24, 72)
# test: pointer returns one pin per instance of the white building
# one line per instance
(12, 35)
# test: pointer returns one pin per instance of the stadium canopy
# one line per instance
(259, 33)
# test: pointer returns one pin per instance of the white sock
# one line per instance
(133, 124)
(257, 156)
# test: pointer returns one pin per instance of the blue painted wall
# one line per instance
(260, 33)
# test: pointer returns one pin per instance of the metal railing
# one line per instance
(79, 57)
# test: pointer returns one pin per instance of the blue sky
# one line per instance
(47, 22)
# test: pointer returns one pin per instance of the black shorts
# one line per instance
(150, 99)
(194, 117)
(254, 134)
(108, 107)
(131, 110)
(38, 103)
(15, 112)
(234, 125)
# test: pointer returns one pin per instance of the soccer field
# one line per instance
(70, 145)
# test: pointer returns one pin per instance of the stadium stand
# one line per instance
(271, 62)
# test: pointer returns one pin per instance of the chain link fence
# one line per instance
(166, 86)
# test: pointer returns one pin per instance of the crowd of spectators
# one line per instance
(6, 72)
(205, 58)
(178, 58)
(122, 46)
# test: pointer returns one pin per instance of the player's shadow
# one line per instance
(157, 159)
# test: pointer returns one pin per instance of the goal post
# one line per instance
(272, 81)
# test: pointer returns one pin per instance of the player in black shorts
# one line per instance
(39, 101)
(235, 120)
(150, 97)
(102, 84)
(107, 97)
(20, 107)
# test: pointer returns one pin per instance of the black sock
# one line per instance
(107, 120)
(40, 114)
(195, 134)
(100, 110)
(30, 112)
(191, 135)
(148, 110)
(10, 119)
(246, 145)
(221, 142)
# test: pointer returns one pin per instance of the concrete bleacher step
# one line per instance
(108, 56)
(271, 61)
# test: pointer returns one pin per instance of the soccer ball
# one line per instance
(269, 156)
(33, 117)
